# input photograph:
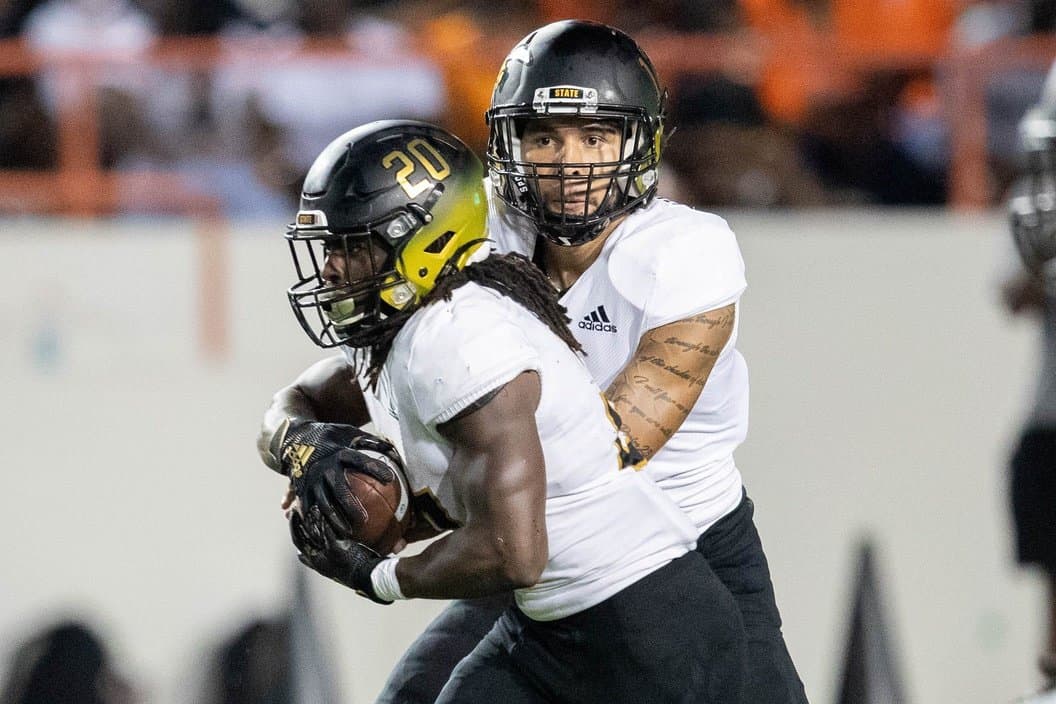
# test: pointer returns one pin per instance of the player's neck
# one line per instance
(564, 265)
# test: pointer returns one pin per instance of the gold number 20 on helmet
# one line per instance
(395, 203)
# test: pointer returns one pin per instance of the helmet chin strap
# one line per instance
(580, 234)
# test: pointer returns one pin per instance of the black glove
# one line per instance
(341, 559)
(315, 456)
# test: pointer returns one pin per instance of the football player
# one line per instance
(652, 288)
(509, 444)
(1033, 290)
(1033, 208)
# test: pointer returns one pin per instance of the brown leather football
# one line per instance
(381, 512)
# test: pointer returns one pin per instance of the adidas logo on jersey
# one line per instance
(597, 320)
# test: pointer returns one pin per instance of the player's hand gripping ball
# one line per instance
(355, 480)
(341, 559)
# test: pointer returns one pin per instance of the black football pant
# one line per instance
(672, 637)
(734, 551)
(735, 554)
(1033, 494)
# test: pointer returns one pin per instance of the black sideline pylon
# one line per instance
(870, 674)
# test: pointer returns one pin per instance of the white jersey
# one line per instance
(607, 526)
(381, 407)
(663, 263)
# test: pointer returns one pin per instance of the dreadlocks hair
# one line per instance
(512, 275)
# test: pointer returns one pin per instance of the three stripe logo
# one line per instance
(297, 456)
(597, 319)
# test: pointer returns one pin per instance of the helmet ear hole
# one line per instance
(437, 245)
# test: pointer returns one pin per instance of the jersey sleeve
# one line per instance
(463, 352)
(698, 267)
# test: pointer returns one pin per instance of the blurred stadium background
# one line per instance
(150, 156)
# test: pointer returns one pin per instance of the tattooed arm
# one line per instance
(659, 386)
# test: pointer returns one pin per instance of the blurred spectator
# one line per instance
(899, 42)
(67, 663)
(1033, 464)
(724, 147)
(1031, 289)
(27, 133)
(266, 124)
(799, 69)
(240, 135)
(820, 102)
(840, 73)
(455, 36)
(727, 94)
(13, 15)
(223, 148)
(58, 27)
(731, 165)
(1042, 16)
(1008, 93)
(253, 666)
(194, 18)
(851, 143)
(89, 24)
(27, 130)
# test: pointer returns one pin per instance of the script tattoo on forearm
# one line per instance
(623, 399)
(657, 389)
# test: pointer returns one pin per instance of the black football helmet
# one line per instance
(403, 198)
(1033, 208)
(580, 69)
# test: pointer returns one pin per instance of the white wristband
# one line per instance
(383, 578)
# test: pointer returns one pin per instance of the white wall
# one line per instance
(887, 385)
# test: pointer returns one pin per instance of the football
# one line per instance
(381, 511)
